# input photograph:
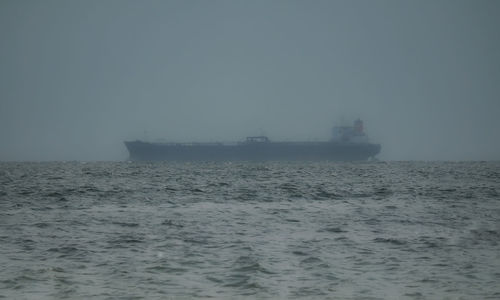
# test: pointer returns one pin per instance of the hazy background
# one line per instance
(79, 77)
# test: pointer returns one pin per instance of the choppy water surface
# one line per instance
(250, 230)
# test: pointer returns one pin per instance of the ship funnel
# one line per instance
(358, 126)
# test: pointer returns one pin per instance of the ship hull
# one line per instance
(285, 151)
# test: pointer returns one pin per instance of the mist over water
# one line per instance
(79, 78)
(402, 230)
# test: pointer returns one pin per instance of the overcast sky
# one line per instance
(79, 77)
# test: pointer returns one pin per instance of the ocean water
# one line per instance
(125, 230)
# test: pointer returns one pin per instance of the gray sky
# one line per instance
(79, 77)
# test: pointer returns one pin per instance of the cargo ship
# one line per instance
(348, 143)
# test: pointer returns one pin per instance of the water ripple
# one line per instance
(402, 230)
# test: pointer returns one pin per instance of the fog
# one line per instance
(77, 78)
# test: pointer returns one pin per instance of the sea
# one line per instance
(243, 230)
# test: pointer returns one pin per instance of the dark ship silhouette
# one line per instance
(348, 143)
